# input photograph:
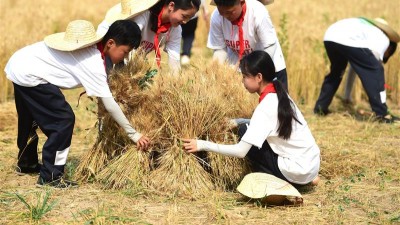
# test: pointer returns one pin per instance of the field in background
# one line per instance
(360, 172)
(27, 22)
(301, 26)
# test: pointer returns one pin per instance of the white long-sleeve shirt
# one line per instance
(298, 157)
(38, 64)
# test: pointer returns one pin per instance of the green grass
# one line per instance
(43, 205)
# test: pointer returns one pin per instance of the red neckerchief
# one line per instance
(100, 47)
(160, 29)
(270, 88)
(239, 23)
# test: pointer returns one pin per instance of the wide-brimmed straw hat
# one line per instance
(260, 185)
(265, 2)
(79, 34)
(128, 9)
(384, 26)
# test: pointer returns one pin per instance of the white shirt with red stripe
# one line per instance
(299, 156)
(358, 33)
(258, 34)
(38, 64)
(171, 39)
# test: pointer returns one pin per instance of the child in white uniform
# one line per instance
(278, 140)
(239, 27)
(160, 26)
(65, 60)
(364, 44)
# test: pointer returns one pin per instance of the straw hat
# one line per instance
(265, 2)
(128, 9)
(260, 185)
(79, 34)
(384, 26)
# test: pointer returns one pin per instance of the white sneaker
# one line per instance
(185, 60)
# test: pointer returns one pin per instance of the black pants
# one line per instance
(282, 77)
(43, 106)
(188, 32)
(364, 63)
(263, 160)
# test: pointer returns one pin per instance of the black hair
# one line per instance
(390, 51)
(179, 4)
(226, 2)
(124, 32)
(260, 62)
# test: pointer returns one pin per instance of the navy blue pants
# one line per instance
(43, 106)
(364, 63)
(282, 77)
(188, 33)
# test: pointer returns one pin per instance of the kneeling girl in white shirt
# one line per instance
(277, 141)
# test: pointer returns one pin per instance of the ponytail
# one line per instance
(286, 111)
(260, 62)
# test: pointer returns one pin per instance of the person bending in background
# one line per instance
(65, 60)
(159, 22)
(365, 44)
(188, 34)
(278, 140)
(239, 27)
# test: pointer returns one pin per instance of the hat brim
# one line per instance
(260, 185)
(115, 14)
(56, 41)
(390, 32)
(264, 2)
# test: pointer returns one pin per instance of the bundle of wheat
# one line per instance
(128, 170)
(195, 104)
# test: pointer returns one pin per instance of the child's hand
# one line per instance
(143, 143)
(190, 145)
(231, 123)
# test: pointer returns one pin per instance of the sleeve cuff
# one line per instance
(135, 136)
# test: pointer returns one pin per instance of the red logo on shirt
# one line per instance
(235, 46)
(147, 46)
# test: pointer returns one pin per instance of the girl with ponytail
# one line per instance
(277, 141)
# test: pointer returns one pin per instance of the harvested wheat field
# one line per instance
(360, 174)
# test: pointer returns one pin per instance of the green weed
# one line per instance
(42, 206)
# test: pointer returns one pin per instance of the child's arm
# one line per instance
(116, 113)
(173, 48)
(203, 6)
(266, 32)
(238, 150)
(220, 55)
(216, 40)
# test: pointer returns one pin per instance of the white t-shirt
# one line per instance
(299, 156)
(258, 34)
(38, 64)
(358, 33)
(171, 39)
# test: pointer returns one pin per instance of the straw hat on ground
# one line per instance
(384, 26)
(265, 2)
(261, 185)
(79, 34)
(128, 9)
